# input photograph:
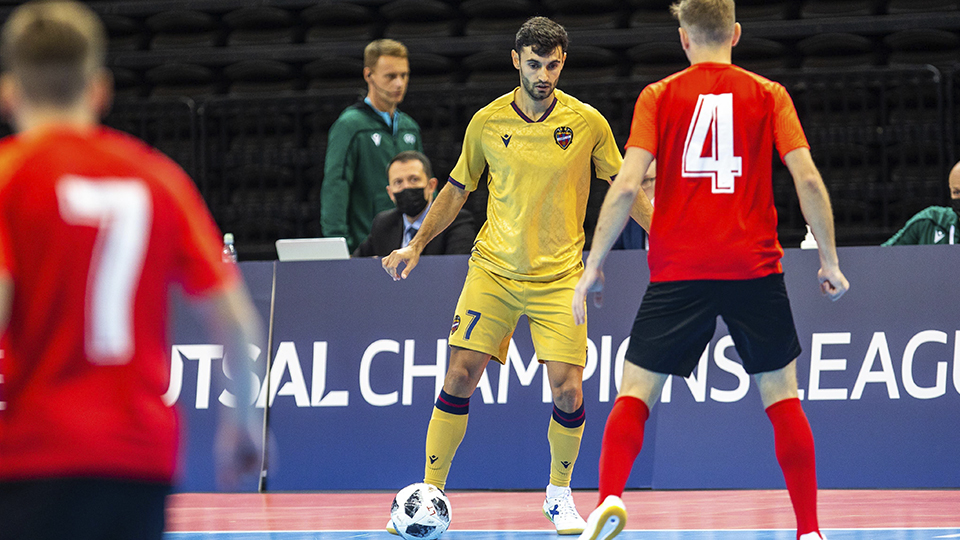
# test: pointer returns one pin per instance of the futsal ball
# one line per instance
(420, 512)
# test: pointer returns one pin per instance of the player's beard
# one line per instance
(535, 93)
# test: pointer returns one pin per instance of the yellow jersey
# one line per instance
(539, 181)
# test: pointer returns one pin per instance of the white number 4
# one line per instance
(714, 118)
(120, 209)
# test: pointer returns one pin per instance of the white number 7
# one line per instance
(121, 211)
(714, 115)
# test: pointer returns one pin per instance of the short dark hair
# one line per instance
(542, 35)
(410, 155)
(53, 48)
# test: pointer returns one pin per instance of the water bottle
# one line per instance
(809, 242)
(229, 253)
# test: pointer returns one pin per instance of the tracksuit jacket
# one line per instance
(359, 148)
(932, 225)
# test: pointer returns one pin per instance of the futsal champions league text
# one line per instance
(926, 367)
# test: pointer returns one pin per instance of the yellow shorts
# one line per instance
(490, 306)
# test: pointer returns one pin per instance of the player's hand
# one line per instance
(408, 256)
(590, 282)
(832, 283)
(237, 453)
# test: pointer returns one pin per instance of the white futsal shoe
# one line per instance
(390, 528)
(561, 511)
(813, 536)
(608, 520)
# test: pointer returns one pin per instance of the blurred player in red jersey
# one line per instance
(95, 226)
(713, 250)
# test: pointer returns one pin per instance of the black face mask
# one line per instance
(955, 203)
(410, 201)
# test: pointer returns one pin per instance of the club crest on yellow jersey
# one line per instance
(456, 324)
(564, 136)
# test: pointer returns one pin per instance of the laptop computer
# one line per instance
(312, 249)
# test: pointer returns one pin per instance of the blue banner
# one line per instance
(359, 359)
(198, 383)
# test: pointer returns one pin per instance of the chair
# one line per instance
(653, 5)
(497, 9)
(837, 50)
(765, 10)
(427, 69)
(125, 33)
(258, 217)
(926, 46)
(127, 83)
(594, 15)
(579, 6)
(758, 54)
(338, 21)
(656, 59)
(651, 17)
(913, 154)
(183, 29)
(579, 21)
(419, 18)
(495, 17)
(180, 79)
(896, 7)
(855, 196)
(334, 72)
(585, 62)
(915, 188)
(493, 27)
(836, 106)
(260, 25)
(812, 9)
(915, 102)
(490, 66)
(261, 77)
(844, 156)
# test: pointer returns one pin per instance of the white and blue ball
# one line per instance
(420, 512)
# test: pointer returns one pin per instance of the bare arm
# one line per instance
(815, 205)
(642, 212)
(442, 212)
(620, 203)
(232, 320)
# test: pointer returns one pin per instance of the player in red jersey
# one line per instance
(713, 250)
(95, 226)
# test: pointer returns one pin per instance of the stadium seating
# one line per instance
(242, 94)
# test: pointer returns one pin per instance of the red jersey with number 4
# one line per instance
(713, 128)
(94, 228)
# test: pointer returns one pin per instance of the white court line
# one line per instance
(547, 530)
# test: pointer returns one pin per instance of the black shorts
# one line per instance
(82, 509)
(677, 320)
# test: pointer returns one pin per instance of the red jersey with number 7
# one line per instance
(95, 226)
(713, 128)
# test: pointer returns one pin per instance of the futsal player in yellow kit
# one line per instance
(538, 143)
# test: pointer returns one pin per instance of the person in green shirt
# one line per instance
(361, 143)
(934, 224)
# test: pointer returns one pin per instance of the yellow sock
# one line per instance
(564, 434)
(448, 424)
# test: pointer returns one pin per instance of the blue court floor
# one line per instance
(832, 534)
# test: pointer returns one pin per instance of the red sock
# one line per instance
(794, 444)
(622, 441)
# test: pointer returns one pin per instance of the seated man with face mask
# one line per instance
(411, 185)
